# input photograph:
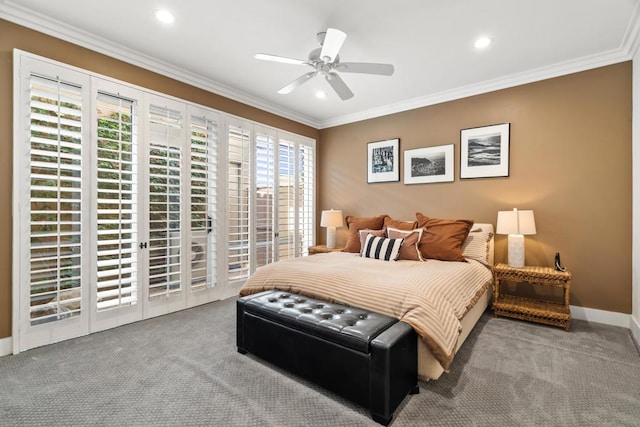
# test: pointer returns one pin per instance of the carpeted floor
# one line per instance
(183, 369)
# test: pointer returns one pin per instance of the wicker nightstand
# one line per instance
(322, 249)
(547, 312)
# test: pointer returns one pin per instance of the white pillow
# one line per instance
(381, 248)
(476, 245)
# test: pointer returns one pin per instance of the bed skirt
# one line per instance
(428, 367)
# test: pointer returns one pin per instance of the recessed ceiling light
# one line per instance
(321, 94)
(482, 42)
(165, 16)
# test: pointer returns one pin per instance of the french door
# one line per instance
(271, 198)
(129, 204)
(116, 205)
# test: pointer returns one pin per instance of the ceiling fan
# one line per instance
(326, 61)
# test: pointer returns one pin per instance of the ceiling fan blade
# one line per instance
(365, 68)
(333, 41)
(283, 59)
(297, 82)
(339, 86)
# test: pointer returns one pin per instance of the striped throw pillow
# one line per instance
(381, 248)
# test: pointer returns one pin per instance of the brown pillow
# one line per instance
(400, 225)
(360, 223)
(409, 249)
(442, 238)
(364, 233)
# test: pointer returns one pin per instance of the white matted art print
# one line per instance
(383, 162)
(427, 165)
(484, 151)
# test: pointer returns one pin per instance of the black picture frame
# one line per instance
(484, 151)
(383, 161)
(429, 165)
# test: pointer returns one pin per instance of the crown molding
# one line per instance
(629, 46)
(39, 22)
(517, 79)
(631, 39)
(28, 18)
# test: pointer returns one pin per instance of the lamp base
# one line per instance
(331, 237)
(516, 250)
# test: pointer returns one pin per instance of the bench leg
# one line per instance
(415, 390)
(380, 419)
(242, 350)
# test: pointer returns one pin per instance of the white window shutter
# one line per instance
(55, 199)
(204, 195)
(165, 180)
(117, 196)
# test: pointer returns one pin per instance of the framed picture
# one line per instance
(426, 165)
(484, 151)
(383, 162)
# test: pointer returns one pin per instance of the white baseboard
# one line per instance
(635, 330)
(601, 316)
(6, 346)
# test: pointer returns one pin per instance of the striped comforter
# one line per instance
(430, 296)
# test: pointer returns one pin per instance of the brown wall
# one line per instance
(14, 36)
(570, 162)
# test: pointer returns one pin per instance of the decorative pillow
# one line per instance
(360, 223)
(400, 225)
(364, 233)
(381, 248)
(476, 245)
(411, 239)
(442, 238)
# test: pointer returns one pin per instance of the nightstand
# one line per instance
(322, 249)
(534, 310)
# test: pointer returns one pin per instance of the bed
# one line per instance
(441, 300)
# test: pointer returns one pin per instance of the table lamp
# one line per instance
(331, 219)
(516, 224)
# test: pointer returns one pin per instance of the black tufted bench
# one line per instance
(364, 356)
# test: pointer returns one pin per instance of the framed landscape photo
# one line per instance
(383, 162)
(427, 165)
(484, 151)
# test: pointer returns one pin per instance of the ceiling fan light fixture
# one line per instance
(325, 61)
(483, 42)
(321, 94)
(164, 16)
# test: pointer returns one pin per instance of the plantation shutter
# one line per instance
(305, 189)
(55, 199)
(117, 210)
(238, 199)
(287, 200)
(165, 159)
(204, 218)
(116, 202)
(265, 196)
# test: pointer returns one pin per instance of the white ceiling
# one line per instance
(212, 45)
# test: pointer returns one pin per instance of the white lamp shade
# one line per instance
(516, 222)
(331, 218)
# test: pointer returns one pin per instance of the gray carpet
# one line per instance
(183, 369)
